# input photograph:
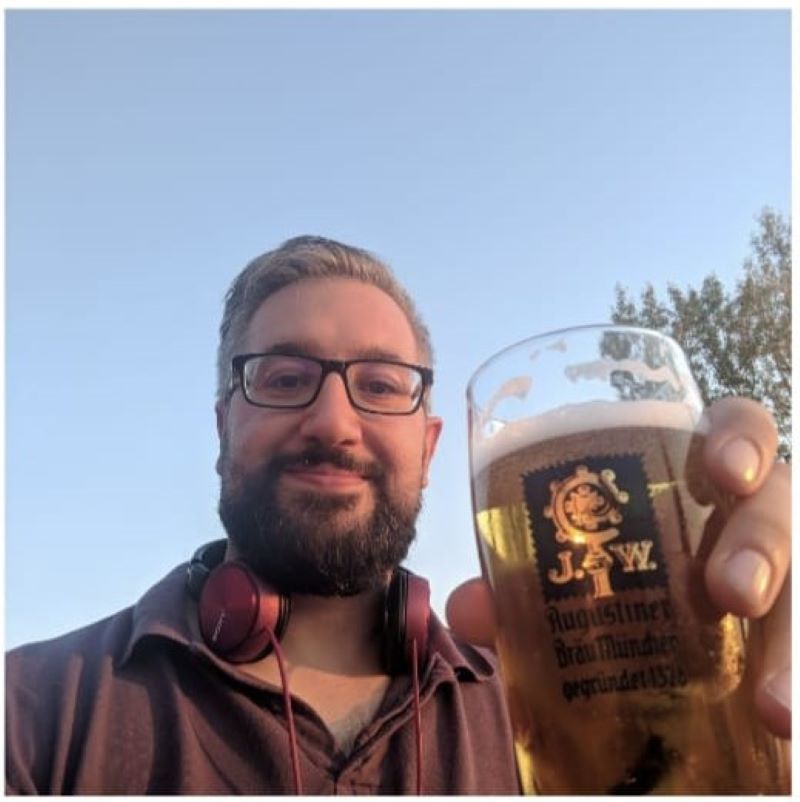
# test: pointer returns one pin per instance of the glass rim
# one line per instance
(584, 327)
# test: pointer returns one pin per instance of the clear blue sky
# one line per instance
(511, 166)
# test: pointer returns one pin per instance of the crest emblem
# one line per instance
(586, 511)
(593, 527)
(585, 507)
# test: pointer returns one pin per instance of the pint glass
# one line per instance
(594, 519)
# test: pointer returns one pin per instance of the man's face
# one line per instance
(324, 499)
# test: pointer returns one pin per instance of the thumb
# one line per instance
(470, 613)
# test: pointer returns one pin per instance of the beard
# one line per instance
(312, 542)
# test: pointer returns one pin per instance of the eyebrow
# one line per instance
(300, 348)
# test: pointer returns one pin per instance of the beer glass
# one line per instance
(594, 519)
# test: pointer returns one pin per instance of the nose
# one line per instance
(331, 418)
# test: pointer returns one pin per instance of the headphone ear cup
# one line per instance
(406, 618)
(238, 614)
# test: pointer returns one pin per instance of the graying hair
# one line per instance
(297, 259)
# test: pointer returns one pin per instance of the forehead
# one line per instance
(334, 318)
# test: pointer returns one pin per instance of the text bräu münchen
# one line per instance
(607, 647)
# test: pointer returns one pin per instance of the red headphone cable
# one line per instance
(417, 714)
(287, 703)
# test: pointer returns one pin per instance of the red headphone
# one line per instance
(237, 611)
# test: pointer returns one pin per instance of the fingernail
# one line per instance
(779, 687)
(741, 458)
(749, 572)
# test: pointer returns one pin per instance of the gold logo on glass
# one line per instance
(585, 508)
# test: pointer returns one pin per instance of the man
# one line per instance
(325, 442)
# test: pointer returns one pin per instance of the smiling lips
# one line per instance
(325, 476)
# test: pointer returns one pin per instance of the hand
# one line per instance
(747, 573)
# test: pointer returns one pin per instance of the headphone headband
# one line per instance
(203, 562)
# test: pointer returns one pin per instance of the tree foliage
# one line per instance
(737, 342)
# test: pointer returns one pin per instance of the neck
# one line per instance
(335, 634)
(339, 635)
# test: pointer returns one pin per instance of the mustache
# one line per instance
(332, 456)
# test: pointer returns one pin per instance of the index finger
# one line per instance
(740, 446)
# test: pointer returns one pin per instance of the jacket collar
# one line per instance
(163, 612)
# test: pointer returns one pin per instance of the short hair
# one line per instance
(297, 259)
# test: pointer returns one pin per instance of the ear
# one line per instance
(433, 428)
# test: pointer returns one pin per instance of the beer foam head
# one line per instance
(493, 439)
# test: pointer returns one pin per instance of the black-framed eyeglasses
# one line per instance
(286, 381)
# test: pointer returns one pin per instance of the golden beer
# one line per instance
(620, 674)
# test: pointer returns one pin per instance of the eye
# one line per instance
(382, 381)
(380, 387)
(283, 381)
(281, 376)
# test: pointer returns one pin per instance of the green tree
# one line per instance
(739, 342)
